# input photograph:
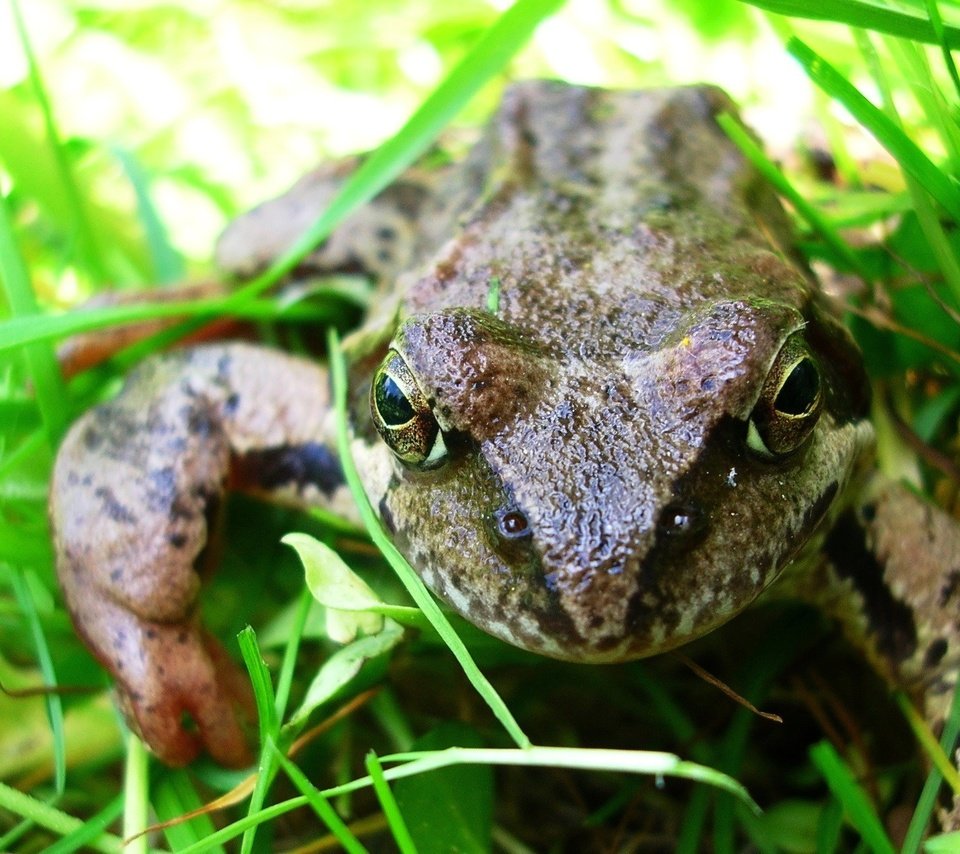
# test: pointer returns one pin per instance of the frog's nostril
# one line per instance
(512, 524)
(682, 519)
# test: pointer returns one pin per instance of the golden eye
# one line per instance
(402, 415)
(790, 402)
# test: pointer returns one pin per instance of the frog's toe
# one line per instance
(195, 698)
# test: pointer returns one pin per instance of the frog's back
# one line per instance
(599, 211)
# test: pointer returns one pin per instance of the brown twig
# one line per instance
(710, 679)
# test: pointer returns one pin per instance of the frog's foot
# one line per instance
(136, 486)
(177, 687)
(201, 700)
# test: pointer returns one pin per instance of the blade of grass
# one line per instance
(167, 264)
(415, 587)
(285, 678)
(13, 457)
(928, 796)
(52, 700)
(90, 255)
(944, 843)
(173, 795)
(926, 213)
(251, 820)
(933, 12)
(843, 784)
(915, 70)
(830, 827)
(48, 385)
(21, 331)
(398, 827)
(896, 22)
(488, 57)
(262, 687)
(17, 832)
(269, 726)
(837, 142)
(769, 170)
(652, 763)
(392, 720)
(692, 837)
(321, 806)
(53, 819)
(647, 762)
(136, 796)
(906, 152)
(754, 682)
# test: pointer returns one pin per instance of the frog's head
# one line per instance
(597, 502)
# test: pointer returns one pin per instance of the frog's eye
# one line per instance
(402, 415)
(790, 401)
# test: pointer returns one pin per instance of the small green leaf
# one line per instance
(347, 597)
(450, 809)
(330, 580)
(945, 843)
(343, 665)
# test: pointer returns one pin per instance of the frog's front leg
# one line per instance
(135, 487)
(893, 580)
(895, 565)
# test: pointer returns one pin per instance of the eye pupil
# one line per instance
(392, 403)
(403, 416)
(790, 401)
(800, 389)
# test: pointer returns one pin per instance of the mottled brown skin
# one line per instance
(135, 486)
(597, 495)
(645, 290)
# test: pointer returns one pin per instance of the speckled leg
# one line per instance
(378, 241)
(135, 485)
(894, 582)
(896, 560)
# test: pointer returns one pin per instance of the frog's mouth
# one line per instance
(621, 583)
(731, 528)
(683, 586)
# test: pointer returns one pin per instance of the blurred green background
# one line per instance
(211, 106)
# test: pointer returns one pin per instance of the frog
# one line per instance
(599, 402)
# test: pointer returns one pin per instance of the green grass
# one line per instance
(597, 755)
(911, 20)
